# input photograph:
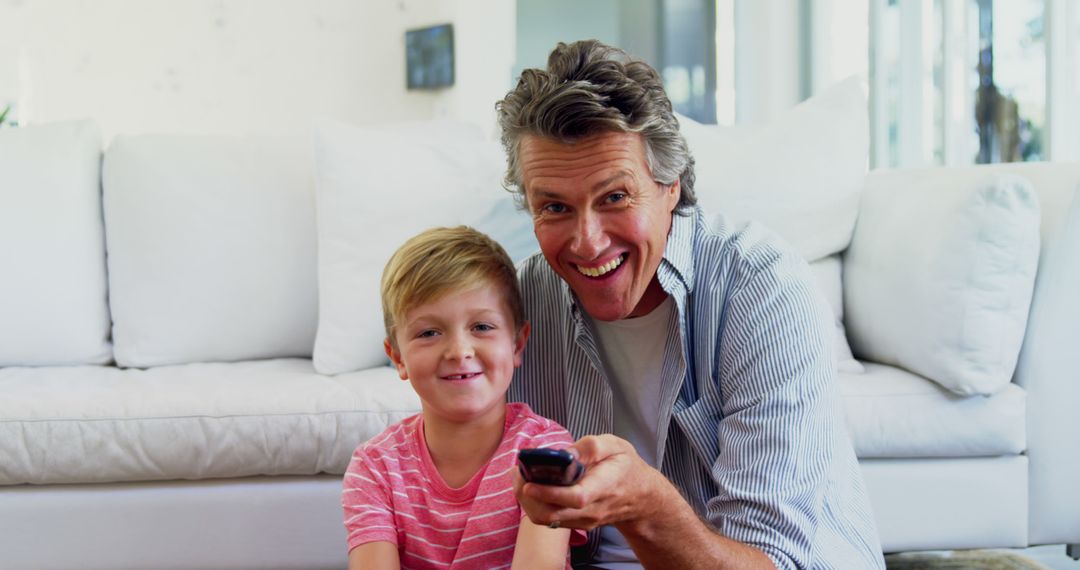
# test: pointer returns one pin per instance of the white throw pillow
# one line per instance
(377, 187)
(800, 175)
(939, 275)
(211, 248)
(53, 300)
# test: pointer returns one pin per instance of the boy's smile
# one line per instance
(459, 351)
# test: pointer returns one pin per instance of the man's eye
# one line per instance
(616, 197)
(555, 209)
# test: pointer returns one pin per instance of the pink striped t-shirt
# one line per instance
(393, 493)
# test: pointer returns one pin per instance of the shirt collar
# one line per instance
(679, 251)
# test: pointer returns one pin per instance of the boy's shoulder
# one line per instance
(532, 430)
(396, 437)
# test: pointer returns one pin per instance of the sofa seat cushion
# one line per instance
(893, 413)
(92, 424)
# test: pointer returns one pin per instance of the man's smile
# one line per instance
(601, 270)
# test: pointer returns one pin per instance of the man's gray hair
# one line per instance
(590, 88)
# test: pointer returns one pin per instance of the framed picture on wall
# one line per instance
(429, 57)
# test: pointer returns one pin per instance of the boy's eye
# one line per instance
(426, 334)
(483, 327)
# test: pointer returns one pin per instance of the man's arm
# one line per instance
(540, 547)
(620, 489)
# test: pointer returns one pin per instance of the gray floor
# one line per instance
(1052, 556)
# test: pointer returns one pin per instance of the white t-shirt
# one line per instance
(632, 351)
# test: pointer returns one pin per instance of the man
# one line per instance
(695, 360)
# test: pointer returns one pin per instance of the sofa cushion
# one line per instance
(800, 175)
(53, 305)
(939, 275)
(893, 413)
(377, 187)
(211, 248)
(812, 199)
(92, 424)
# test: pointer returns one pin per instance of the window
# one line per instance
(972, 81)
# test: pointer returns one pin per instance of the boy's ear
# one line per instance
(395, 357)
(519, 342)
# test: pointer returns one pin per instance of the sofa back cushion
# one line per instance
(800, 174)
(377, 187)
(939, 275)
(53, 307)
(211, 248)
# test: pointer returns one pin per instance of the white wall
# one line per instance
(244, 66)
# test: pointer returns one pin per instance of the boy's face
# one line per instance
(460, 351)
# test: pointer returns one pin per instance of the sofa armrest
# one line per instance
(1049, 364)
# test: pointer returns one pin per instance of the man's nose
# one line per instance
(590, 239)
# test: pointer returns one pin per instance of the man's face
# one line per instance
(601, 219)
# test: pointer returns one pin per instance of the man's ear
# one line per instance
(395, 357)
(519, 342)
(674, 192)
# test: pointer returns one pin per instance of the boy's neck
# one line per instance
(458, 449)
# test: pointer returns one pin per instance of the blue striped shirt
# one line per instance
(751, 430)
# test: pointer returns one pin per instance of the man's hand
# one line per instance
(618, 487)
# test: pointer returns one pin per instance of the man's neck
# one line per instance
(460, 449)
(653, 297)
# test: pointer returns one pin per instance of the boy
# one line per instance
(436, 490)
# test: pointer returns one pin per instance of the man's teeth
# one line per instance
(603, 269)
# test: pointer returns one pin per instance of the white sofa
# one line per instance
(159, 406)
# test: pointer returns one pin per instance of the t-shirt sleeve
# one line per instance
(366, 498)
(550, 435)
(554, 436)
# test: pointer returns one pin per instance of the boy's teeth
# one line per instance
(603, 269)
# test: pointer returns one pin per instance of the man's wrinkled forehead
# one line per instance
(599, 160)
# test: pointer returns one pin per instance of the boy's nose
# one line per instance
(458, 348)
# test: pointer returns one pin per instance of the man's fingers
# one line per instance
(574, 496)
(598, 498)
(593, 449)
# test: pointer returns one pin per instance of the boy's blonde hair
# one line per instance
(441, 260)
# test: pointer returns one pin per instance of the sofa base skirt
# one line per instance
(264, 522)
(935, 504)
(295, 522)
